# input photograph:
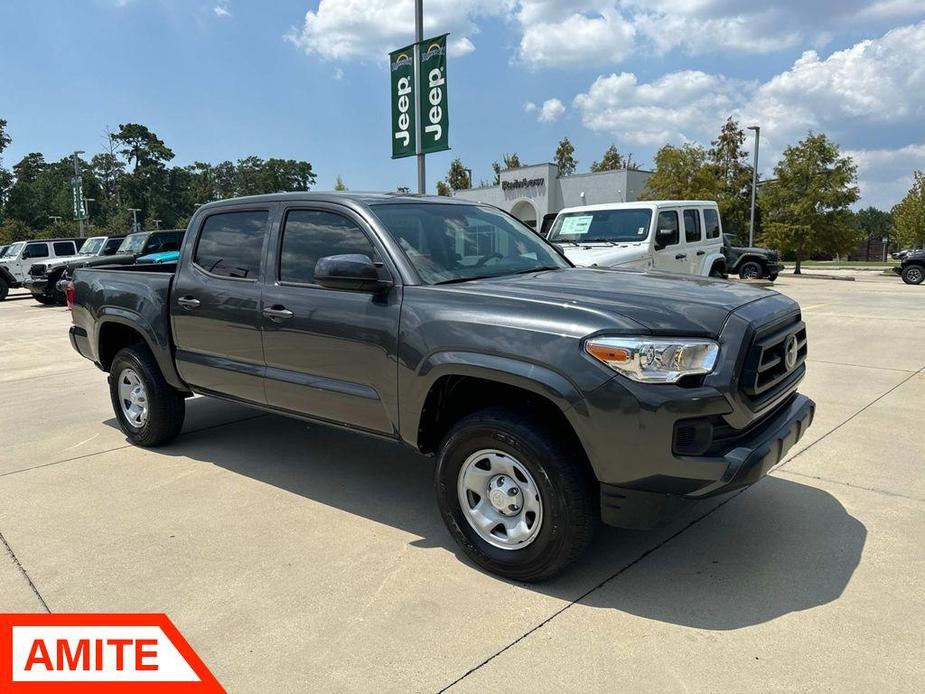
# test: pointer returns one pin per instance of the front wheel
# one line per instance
(773, 277)
(149, 411)
(913, 274)
(4, 289)
(515, 497)
(751, 271)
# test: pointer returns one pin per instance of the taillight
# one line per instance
(69, 295)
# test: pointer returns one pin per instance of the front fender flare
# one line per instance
(529, 376)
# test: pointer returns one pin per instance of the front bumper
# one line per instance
(898, 269)
(36, 285)
(775, 268)
(748, 461)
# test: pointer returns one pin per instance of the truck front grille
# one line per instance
(775, 360)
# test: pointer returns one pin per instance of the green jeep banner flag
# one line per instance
(433, 111)
(401, 65)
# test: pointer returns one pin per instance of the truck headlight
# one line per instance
(654, 360)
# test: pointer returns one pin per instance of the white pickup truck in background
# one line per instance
(683, 236)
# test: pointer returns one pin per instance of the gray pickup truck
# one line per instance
(552, 397)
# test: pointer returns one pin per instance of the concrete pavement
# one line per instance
(295, 557)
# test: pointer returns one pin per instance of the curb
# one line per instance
(821, 277)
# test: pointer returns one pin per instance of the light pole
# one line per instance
(751, 224)
(157, 224)
(78, 192)
(418, 37)
(134, 211)
(468, 178)
(54, 218)
(87, 208)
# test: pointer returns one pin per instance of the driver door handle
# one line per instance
(188, 302)
(701, 252)
(277, 313)
(680, 256)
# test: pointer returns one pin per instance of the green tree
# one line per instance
(510, 161)
(13, 230)
(730, 165)
(681, 173)
(6, 178)
(909, 215)
(806, 210)
(874, 225)
(339, 184)
(458, 176)
(565, 157)
(443, 188)
(141, 146)
(611, 161)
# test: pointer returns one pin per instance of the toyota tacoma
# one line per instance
(551, 397)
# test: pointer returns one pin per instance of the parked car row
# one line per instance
(553, 397)
(681, 236)
(912, 269)
(45, 266)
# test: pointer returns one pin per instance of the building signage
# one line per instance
(433, 112)
(523, 183)
(401, 66)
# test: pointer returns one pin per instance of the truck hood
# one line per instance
(605, 255)
(659, 303)
(103, 260)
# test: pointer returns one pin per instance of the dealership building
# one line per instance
(535, 194)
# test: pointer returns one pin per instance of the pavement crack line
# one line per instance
(836, 428)
(853, 486)
(25, 574)
(588, 592)
(128, 445)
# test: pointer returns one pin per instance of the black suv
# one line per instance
(912, 269)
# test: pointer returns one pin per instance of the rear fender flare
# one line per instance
(162, 352)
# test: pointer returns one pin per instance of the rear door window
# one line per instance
(692, 232)
(230, 244)
(112, 245)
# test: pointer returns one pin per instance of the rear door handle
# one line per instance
(188, 302)
(277, 313)
(701, 252)
(680, 256)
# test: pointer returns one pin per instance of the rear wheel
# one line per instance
(4, 289)
(514, 496)
(149, 411)
(751, 271)
(913, 274)
(718, 271)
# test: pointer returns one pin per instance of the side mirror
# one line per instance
(352, 271)
(663, 237)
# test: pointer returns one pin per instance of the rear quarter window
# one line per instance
(711, 223)
(65, 248)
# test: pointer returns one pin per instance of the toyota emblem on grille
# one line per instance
(791, 351)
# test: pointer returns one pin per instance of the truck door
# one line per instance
(670, 257)
(33, 253)
(693, 241)
(330, 353)
(215, 305)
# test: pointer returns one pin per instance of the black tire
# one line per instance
(718, 271)
(4, 289)
(773, 277)
(166, 407)
(46, 300)
(913, 274)
(569, 513)
(751, 271)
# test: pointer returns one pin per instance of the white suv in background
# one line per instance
(683, 236)
(19, 257)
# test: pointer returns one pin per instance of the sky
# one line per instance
(308, 79)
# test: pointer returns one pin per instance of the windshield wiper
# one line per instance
(457, 280)
(612, 243)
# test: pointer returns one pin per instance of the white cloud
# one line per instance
(577, 40)
(346, 30)
(885, 175)
(529, 107)
(221, 10)
(551, 111)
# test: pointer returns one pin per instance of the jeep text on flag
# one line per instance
(112, 653)
(434, 111)
(401, 66)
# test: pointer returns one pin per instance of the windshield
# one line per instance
(456, 243)
(91, 246)
(13, 250)
(616, 226)
(133, 243)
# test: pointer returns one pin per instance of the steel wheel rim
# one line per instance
(133, 398)
(502, 517)
(751, 272)
(914, 274)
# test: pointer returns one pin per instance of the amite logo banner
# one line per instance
(98, 653)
